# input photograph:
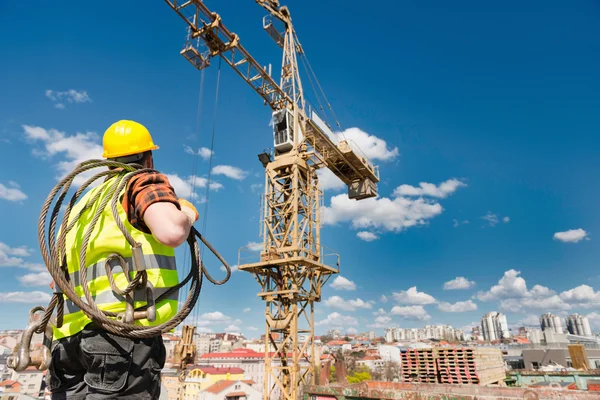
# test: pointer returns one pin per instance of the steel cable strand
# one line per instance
(57, 272)
(57, 295)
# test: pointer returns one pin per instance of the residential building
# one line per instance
(438, 332)
(536, 358)
(202, 343)
(170, 379)
(215, 345)
(334, 333)
(201, 377)
(371, 362)
(337, 345)
(578, 325)
(31, 380)
(549, 321)
(389, 353)
(232, 389)
(251, 362)
(10, 386)
(476, 333)
(494, 326)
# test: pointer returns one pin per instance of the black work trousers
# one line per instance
(95, 364)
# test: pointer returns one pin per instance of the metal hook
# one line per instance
(22, 356)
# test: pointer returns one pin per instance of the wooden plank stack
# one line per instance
(471, 366)
(474, 366)
(418, 365)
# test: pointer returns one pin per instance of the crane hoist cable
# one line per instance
(54, 250)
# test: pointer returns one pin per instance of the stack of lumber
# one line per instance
(418, 365)
(474, 366)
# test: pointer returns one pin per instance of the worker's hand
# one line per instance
(189, 210)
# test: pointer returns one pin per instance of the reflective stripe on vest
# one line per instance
(106, 239)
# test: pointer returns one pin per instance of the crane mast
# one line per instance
(291, 268)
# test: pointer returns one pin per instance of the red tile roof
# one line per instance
(220, 371)
(9, 382)
(239, 354)
(224, 384)
(337, 343)
(235, 394)
(368, 358)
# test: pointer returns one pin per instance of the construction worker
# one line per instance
(91, 363)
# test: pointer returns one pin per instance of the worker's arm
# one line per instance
(169, 225)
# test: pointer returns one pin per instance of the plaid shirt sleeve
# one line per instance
(143, 191)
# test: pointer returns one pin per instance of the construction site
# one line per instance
(291, 267)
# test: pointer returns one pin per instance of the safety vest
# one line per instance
(106, 239)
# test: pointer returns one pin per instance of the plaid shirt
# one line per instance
(144, 190)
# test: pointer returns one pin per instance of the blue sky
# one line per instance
(473, 112)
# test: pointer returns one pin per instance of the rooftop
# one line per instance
(224, 384)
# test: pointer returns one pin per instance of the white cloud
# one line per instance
(510, 285)
(530, 320)
(254, 246)
(252, 328)
(71, 96)
(413, 296)
(459, 306)
(492, 219)
(458, 283)
(514, 296)
(25, 297)
(571, 236)
(214, 317)
(382, 321)
(429, 189)
(203, 152)
(582, 296)
(203, 329)
(12, 192)
(234, 268)
(247, 309)
(371, 146)
(352, 331)
(328, 180)
(383, 299)
(21, 251)
(341, 283)
(346, 305)
(367, 236)
(456, 223)
(36, 279)
(185, 187)
(232, 328)
(594, 319)
(532, 303)
(337, 319)
(391, 214)
(381, 311)
(71, 149)
(506, 219)
(230, 172)
(12, 257)
(411, 312)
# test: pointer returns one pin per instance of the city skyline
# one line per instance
(484, 143)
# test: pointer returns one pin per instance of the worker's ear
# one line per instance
(148, 161)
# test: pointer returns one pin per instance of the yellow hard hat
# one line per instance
(126, 137)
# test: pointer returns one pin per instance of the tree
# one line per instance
(332, 374)
(361, 374)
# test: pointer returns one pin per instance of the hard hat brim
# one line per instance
(128, 153)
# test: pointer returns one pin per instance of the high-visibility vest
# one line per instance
(106, 239)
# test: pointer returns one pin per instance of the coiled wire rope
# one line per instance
(53, 251)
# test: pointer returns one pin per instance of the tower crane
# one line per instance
(291, 269)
